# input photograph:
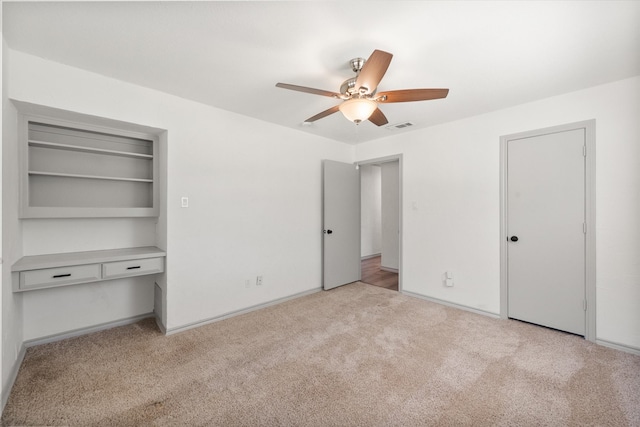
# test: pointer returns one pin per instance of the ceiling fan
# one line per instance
(360, 100)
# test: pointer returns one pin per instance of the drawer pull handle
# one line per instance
(57, 276)
(133, 268)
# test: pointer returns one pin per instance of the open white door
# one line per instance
(340, 223)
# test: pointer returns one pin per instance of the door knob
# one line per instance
(327, 231)
(514, 238)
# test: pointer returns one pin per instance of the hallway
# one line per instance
(373, 275)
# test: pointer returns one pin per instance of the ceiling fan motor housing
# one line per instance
(348, 87)
(357, 64)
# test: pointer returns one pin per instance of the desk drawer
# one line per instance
(136, 267)
(50, 277)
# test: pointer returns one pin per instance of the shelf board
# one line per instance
(87, 212)
(106, 178)
(57, 146)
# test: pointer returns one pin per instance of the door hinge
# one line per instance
(584, 150)
(584, 304)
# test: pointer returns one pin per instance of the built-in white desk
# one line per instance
(72, 268)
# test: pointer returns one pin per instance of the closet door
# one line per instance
(546, 230)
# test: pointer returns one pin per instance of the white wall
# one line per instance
(247, 216)
(451, 173)
(370, 199)
(390, 215)
(12, 330)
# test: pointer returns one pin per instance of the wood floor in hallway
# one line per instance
(373, 275)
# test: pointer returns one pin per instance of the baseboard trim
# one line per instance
(369, 256)
(6, 391)
(83, 331)
(389, 269)
(605, 343)
(183, 328)
(618, 346)
(452, 304)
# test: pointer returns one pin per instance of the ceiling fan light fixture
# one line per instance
(359, 93)
(358, 109)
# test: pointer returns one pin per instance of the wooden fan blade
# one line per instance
(308, 90)
(323, 114)
(408, 95)
(378, 118)
(373, 70)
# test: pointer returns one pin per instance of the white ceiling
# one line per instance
(491, 55)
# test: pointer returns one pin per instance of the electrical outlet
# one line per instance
(448, 279)
(259, 281)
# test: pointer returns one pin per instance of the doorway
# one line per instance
(381, 222)
(372, 273)
(341, 222)
(548, 227)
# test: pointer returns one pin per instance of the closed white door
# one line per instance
(546, 230)
(341, 224)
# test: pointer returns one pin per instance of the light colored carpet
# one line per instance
(354, 356)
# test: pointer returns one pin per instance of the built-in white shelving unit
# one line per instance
(89, 209)
(74, 170)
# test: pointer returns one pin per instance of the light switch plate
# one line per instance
(184, 202)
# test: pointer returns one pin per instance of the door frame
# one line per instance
(389, 159)
(589, 127)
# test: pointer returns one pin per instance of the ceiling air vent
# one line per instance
(400, 125)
